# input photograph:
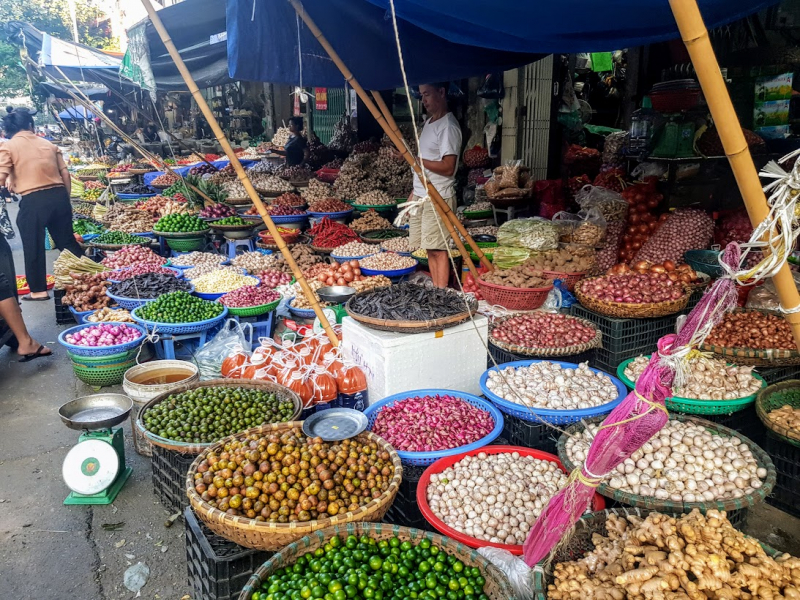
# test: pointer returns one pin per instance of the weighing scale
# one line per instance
(95, 469)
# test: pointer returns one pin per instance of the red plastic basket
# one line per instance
(598, 502)
(513, 298)
(569, 279)
(51, 282)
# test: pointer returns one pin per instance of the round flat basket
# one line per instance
(412, 326)
(569, 279)
(513, 298)
(497, 586)
(376, 236)
(598, 502)
(102, 376)
(113, 247)
(548, 415)
(254, 311)
(704, 261)
(319, 250)
(225, 228)
(182, 235)
(100, 350)
(580, 542)
(392, 274)
(281, 392)
(621, 310)
(186, 245)
(754, 357)
(773, 397)
(421, 459)
(178, 328)
(695, 406)
(376, 207)
(668, 506)
(597, 342)
(263, 535)
(239, 201)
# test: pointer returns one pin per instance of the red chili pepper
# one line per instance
(329, 234)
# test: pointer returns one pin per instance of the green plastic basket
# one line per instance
(478, 214)
(254, 311)
(375, 207)
(102, 361)
(186, 245)
(103, 376)
(693, 406)
(774, 397)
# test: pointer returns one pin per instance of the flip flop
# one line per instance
(32, 299)
(35, 355)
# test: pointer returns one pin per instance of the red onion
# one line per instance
(131, 255)
(105, 334)
(633, 288)
(685, 229)
(431, 423)
(543, 330)
(248, 296)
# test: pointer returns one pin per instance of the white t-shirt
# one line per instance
(439, 139)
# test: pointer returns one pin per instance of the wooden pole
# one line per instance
(240, 172)
(695, 36)
(452, 220)
(438, 202)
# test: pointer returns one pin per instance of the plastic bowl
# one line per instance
(548, 415)
(208, 296)
(598, 502)
(427, 458)
(100, 350)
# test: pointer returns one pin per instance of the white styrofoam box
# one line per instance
(452, 359)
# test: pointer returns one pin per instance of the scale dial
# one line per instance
(90, 467)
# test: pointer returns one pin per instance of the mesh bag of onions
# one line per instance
(685, 229)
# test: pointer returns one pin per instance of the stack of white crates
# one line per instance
(452, 359)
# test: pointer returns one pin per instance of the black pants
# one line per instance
(51, 209)
(8, 277)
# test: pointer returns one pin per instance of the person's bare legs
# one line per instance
(439, 265)
(10, 311)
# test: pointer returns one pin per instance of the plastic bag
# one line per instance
(492, 86)
(649, 169)
(533, 234)
(230, 340)
(519, 575)
(566, 224)
(591, 230)
(504, 257)
(509, 178)
(612, 206)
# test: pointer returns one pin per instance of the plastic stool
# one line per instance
(263, 326)
(234, 245)
(165, 346)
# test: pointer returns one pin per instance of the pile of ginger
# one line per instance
(693, 557)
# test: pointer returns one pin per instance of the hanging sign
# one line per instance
(297, 105)
(321, 95)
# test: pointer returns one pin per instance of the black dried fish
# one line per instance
(409, 302)
(149, 285)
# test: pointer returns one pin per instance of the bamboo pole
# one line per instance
(240, 172)
(438, 202)
(145, 153)
(695, 36)
(452, 220)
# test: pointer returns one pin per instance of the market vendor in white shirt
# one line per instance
(440, 146)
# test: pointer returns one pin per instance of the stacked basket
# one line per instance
(101, 366)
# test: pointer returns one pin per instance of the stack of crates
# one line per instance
(786, 458)
(63, 315)
(404, 510)
(169, 477)
(218, 569)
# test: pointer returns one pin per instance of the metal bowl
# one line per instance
(335, 424)
(336, 294)
(98, 411)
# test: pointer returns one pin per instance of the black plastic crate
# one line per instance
(786, 457)
(738, 517)
(744, 421)
(624, 338)
(169, 477)
(406, 514)
(530, 434)
(779, 374)
(502, 356)
(218, 569)
(63, 315)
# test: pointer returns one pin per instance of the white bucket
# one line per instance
(142, 393)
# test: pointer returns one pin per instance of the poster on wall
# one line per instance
(321, 98)
(771, 110)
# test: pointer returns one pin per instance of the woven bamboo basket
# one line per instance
(411, 326)
(140, 171)
(668, 506)
(319, 250)
(579, 543)
(755, 356)
(262, 535)
(772, 398)
(597, 342)
(621, 310)
(239, 201)
(497, 586)
(191, 448)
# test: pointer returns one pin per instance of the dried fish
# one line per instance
(409, 302)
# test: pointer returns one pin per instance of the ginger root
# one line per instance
(694, 557)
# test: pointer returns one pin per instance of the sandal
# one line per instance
(37, 354)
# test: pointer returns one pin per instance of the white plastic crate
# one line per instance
(453, 358)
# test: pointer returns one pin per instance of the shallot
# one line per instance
(632, 288)
(430, 423)
(104, 334)
(544, 330)
(249, 295)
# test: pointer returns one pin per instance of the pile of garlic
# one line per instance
(494, 497)
(683, 462)
(708, 379)
(548, 385)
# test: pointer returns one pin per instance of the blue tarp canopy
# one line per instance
(442, 39)
(78, 113)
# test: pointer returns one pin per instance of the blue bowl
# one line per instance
(100, 350)
(390, 274)
(134, 196)
(547, 415)
(343, 259)
(180, 328)
(178, 273)
(80, 316)
(427, 458)
(131, 303)
(218, 296)
(331, 215)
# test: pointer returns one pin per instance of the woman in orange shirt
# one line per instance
(34, 168)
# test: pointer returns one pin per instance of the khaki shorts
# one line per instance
(423, 229)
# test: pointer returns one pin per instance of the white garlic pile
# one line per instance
(708, 379)
(548, 385)
(494, 497)
(683, 462)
